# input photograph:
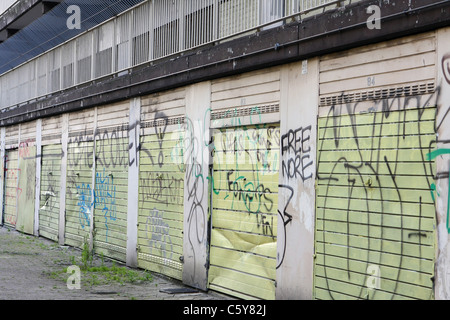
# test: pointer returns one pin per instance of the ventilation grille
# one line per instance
(382, 93)
(245, 111)
(51, 137)
(85, 133)
(164, 122)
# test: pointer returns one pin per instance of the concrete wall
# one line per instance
(325, 178)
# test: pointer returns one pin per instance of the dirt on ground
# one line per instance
(34, 268)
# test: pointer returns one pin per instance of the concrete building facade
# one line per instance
(263, 149)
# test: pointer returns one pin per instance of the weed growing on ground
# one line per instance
(101, 275)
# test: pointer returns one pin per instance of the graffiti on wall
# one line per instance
(373, 198)
(105, 198)
(197, 144)
(12, 191)
(158, 234)
(84, 204)
(297, 166)
(296, 154)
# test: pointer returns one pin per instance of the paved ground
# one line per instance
(35, 269)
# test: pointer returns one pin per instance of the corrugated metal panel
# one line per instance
(12, 137)
(11, 188)
(161, 184)
(79, 195)
(27, 178)
(51, 156)
(374, 205)
(375, 216)
(404, 66)
(51, 131)
(250, 89)
(50, 191)
(111, 181)
(244, 211)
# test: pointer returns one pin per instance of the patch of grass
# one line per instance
(92, 275)
(104, 275)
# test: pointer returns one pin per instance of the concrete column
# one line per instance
(296, 202)
(38, 175)
(196, 216)
(133, 181)
(63, 182)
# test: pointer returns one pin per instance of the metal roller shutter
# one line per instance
(111, 182)
(51, 156)
(50, 184)
(161, 184)
(11, 188)
(79, 199)
(375, 213)
(244, 211)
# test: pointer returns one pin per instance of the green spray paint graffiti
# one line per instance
(432, 156)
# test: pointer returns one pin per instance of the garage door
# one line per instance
(375, 215)
(79, 199)
(12, 191)
(111, 182)
(50, 183)
(49, 202)
(244, 211)
(375, 212)
(161, 184)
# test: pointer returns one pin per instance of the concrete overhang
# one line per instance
(21, 14)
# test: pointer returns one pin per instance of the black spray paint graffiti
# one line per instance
(254, 196)
(445, 65)
(50, 192)
(286, 219)
(160, 133)
(253, 152)
(162, 187)
(112, 147)
(372, 173)
(296, 154)
(197, 151)
(84, 150)
(296, 165)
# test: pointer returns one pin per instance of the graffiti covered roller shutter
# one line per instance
(79, 198)
(111, 182)
(49, 203)
(50, 183)
(11, 187)
(244, 216)
(375, 212)
(161, 184)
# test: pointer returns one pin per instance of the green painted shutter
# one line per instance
(11, 188)
(111, 194)
(50, 184)
(244, 211)
(375, 216)
(161, 203)
(79, 202)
